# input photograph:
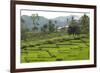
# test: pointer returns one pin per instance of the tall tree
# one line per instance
(56, 27)
(73, 27)
(35, 24)
(51, 26)
(44, 28)
(84, 22)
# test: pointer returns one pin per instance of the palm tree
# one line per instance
(35, 24)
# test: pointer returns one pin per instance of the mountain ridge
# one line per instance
(59, 21)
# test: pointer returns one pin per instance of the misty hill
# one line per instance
(39, 21)
(27, 21)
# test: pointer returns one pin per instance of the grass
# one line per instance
(54, 47)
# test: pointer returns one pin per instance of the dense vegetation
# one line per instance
(52, 44)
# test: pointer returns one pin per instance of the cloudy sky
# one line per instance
(51, 14)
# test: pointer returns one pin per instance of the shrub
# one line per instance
(31, 46)
(59, 59)
(49, 42)
(24, 46)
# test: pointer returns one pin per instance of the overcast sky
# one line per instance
(50, 14)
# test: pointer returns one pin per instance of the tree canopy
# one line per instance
(73, 27)
(84, 23)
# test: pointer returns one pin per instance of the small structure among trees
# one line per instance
(73, 27)
(79, 27)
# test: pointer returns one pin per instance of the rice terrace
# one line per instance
(54, 36)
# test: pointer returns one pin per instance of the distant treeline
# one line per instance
(75, 27)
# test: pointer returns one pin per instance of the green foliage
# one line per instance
(73, 27)
(51, 45)
(24, 30)
(22, 21)
(24, 33)
(35, 28)
(72, 49)
(84, 22)
(51, 26)
(44, 28)
(34, 17)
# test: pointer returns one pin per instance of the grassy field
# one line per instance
(54, 47)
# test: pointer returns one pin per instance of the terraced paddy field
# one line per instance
(58, 48)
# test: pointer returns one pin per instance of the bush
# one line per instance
(31, 46)
(24, 46)
(50, 42)
(37, 44)
(59, 59)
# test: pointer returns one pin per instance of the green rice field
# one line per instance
(55, 47)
